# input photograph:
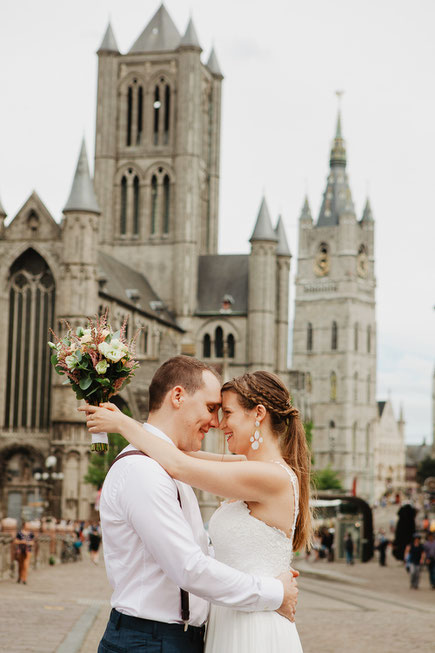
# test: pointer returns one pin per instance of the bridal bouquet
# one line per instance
(97, 362)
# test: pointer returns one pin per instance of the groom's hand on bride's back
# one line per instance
(288, 605)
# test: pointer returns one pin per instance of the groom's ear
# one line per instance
(177, 396)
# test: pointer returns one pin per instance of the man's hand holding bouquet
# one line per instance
(97, 362)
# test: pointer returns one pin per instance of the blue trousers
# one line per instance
(131, 635)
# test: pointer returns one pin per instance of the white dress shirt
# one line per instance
(152, 547)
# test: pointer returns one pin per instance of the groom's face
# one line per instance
(199, 413)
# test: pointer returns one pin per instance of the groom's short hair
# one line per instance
(185, 371)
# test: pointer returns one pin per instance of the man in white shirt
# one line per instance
(153, 536)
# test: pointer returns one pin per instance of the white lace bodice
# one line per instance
(249, 544)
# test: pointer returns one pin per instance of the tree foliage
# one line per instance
(425, 469)
(327, 479)
(99, 463)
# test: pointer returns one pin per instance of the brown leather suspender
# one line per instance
(184, 596)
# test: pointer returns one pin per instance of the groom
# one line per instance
(155, 543)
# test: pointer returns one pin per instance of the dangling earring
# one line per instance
(256, 439)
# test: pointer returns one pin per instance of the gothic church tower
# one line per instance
(334, 336)
(157, 156)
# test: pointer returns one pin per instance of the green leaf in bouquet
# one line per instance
(85, 382)
(52, 345)
(108, 338)
(104, 382)
(68, 382)
(78, 355)
(59, 370)
(88, 394)
(66, 342)
(116, 335)
(80, 331)
(53, 359)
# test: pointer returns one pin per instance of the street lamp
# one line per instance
(50, 477)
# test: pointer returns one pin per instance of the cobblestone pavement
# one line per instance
(363, 609)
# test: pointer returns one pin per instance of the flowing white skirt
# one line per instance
(231, 631)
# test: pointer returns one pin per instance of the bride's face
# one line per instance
(238, 424)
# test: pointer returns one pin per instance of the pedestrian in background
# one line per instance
(348, 547)
(429, 549)
(94, 542)
(383, 543)
(24, 541)
(416, 556)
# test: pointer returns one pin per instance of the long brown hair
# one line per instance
(268, 390)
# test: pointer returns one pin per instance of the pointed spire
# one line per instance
(213, 64)
(263, 229)
(338, 150)
(159, 35)
(2, 211)
(109, 42)
(190, 37)
(306, 211)
(367, 213)
(401, 416)
(282, 249)
(82, 195)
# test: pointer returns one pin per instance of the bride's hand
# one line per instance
(105, 417)
(288, 605)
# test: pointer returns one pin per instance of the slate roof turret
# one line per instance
(367, 213)
(282, 248)
(306, 211)
(109, 42)
(190, 37)
(263, 229)
(82, 195)
(213, 64)
(160, 35)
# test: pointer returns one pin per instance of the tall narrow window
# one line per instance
(309, 337)
(367, 444)
(206, 346)
(369, 339)
(167, 114)
(354, 442)
(145, 340)
(156, 105)
(308, 382)
(369, 383)
(334, 336)
(166, 203)
(153, 203)
(219, 343)
(355, 336)
(333, 386)
(231, 346)
(31, 314)
(139, 114)
(123, 225)
(136, 205)
(355, 387)
(332, 440)
(129, 113)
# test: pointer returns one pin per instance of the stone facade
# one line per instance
(390, 451)
(140, 240)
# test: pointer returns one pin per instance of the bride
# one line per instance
(266, 516)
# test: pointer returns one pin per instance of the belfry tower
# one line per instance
(157, 156)
(334, 336)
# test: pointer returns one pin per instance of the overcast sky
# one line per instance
(283, 60)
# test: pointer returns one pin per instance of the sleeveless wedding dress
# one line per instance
(250, 545)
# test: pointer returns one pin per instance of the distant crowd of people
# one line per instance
(26, 541)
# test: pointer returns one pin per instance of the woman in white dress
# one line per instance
(266, 516)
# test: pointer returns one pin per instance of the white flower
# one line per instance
(114, 350)
(102, 366)
(86, 337)
(71, 362)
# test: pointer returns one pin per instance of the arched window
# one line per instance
(355, 336)
(166, 203)
(139, 115)
(309, 337)
(355, 387)
(231, 346)
(333, 386)
(334, 336)
(167, 114)
(332, 440)
(369, 339)
(145, 340)
(156, 106)
(136, 192)
(123, 225)
(206, 346)
(129, 113)
(31, 314)
(153, 203)
(218, 342)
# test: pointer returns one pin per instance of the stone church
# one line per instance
(140, 238)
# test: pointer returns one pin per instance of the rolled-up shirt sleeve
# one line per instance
(149, 501)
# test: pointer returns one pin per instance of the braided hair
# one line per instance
(268, 390)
